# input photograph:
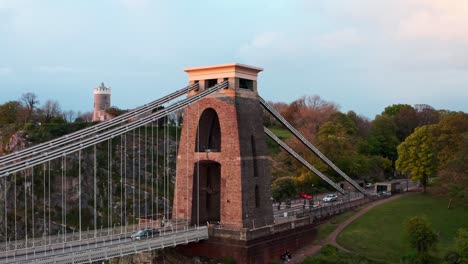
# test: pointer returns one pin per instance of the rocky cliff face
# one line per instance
(16, 142)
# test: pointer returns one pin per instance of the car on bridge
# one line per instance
(145, 233)
(330, 198)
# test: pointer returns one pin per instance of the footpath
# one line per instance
(310, 250)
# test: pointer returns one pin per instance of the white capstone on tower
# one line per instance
(102, 101)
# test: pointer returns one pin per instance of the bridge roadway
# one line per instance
(86, 251)
(101, 244)
(98, 248)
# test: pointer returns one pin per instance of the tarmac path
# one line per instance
(313, 249)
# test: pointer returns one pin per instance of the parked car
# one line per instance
(305, 196)
(145, 233)
(330, 198)
(384, 193)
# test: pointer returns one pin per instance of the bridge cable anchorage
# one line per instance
(302, 160)
(38, 149)
(75, 146)
(296, 133)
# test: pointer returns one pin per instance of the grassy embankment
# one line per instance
(379, 234)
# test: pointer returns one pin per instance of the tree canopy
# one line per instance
(417, 157)
(421, 236)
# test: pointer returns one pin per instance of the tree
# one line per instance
(70, 115)
(395, 109)
(421, 236)
(362, 124)
(406, 120)
(84, 117)
(115, 111)
(50, 109)
(9, 112)
(30, 102)
(307, 114)
(427, 115)
(452, 146)
(417, 155)
(337, 139)
(382, 137)
(461, 244)
(283, 188)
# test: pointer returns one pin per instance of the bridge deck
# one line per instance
(87, 253)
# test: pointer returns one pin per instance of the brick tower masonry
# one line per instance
(223, 173)
(102, 101)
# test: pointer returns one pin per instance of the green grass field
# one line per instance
(327, 228)
(379, 234)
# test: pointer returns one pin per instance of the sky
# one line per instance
(361, 54)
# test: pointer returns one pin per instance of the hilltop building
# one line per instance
(102, 101)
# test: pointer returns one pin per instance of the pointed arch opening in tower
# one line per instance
(209, 132)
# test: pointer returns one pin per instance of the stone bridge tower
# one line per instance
(223, 173)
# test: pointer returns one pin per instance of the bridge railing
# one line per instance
(94, 253)
(90, 236)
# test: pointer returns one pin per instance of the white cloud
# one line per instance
(438, 21)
